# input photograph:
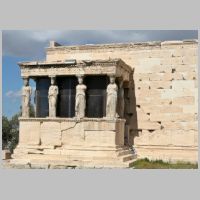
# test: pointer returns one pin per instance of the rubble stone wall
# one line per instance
(166, 93)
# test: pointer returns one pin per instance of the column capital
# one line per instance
(80, 75)
(52, 76)
(112, 75)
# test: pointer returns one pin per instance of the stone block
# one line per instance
(166, 53)
(182, 138)
(151, 108)
(156, 76)
(50, 133)
(156, 138)
(142, 116)
(154, 101)
(172, 60)
(182, 84)
(183, 101)
(146, 65)
(178, 75)
(161, 69)
(171, 93)
(29, 132)
(190, 75)
(171, 109)
(160, 138)
(190, 60)
(148, 93)
(105, 138)
(196, 136)
(161, 85)
(185, 52)
(73, 135)
(180, 126)
(168, 125)
(185, 68)
(184, 117)
(141, 76)
(143, 85)
(157, 117)
(99, 125)
(148, 125)
(190, 109)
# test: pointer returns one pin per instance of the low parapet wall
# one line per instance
(72, 132)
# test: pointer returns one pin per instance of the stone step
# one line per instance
(124, 152)
(128, 157)
(39, 163)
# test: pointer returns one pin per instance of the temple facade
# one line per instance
(80, 115)
(107, 105)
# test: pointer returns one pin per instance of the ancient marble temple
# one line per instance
(81, 119)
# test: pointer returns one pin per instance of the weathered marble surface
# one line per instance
(80, 104)
(26, 95)
(52, 95)
(111, 104)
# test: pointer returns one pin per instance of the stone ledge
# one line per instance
(59, 119)
(79, 63)
(169, 147)
(123, 45)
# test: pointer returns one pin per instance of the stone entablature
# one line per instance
(130, 45)
(94, 67)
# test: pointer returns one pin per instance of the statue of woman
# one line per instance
(26, 95)
(111, 103)
(52, 95)
(80, 104)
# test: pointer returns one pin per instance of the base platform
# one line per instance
(61, 158)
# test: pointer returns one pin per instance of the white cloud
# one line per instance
(32, 44)
(13, 94)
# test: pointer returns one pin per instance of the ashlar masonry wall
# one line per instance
(166, 93)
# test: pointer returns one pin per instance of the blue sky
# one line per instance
(26, 45)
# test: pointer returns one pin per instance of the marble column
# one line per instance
(52, 96)
(111, 104)
(26, 96)
(80, 103)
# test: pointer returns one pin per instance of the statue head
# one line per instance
(112, 79)
(26, 81)
(80, 79)
(52, 80)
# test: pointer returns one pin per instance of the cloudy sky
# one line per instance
(30, 45)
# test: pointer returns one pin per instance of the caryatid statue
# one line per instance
(111, 104)
(80, 104)
(26, 96)
(52, 95)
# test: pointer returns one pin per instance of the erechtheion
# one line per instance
(106, 105)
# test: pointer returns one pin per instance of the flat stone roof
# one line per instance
(123, 45)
